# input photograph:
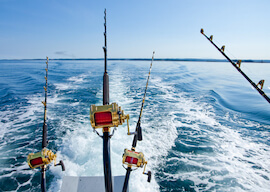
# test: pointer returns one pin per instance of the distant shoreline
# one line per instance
(148, 59)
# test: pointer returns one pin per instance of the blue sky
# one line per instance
(74, 29)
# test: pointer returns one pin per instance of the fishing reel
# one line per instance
(135, 159)
(43, 158)
(107, 116)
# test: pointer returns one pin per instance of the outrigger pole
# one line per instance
(106, 130)
(137, 137)
(45, 157)
(237, 66)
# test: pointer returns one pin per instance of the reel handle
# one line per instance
(62, 165)
(149, 174)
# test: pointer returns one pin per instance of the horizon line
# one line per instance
(156, 59)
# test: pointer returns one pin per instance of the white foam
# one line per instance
(73, 83)
(82, 149)
(3, 128)
(65, 86)
(16, 123)
(232, 151)
(78, 79)
(237, 158)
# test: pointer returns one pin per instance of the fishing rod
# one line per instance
(45, 157)
(131, 158)
(105, 117)
(237, 66)
(106, 130)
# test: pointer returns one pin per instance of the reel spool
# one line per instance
(106, 116)
(43, 158)
(135, 159)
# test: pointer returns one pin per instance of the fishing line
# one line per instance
(255, 75)
(227, 50)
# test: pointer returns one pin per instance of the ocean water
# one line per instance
(204, 127)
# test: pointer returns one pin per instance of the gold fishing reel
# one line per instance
(131, 158)
(106, 116)
(43, 158)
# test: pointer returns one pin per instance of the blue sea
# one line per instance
(204, 127)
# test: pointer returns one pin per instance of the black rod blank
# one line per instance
(44, 135)
(45, 130)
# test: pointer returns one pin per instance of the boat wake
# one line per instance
(191, 140)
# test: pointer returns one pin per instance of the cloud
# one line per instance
(60, 52)
(64, 53)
